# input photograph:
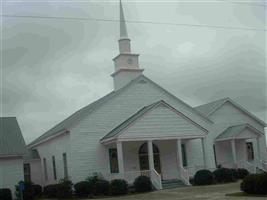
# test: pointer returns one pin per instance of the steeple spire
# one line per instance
(123, 27)
(126, 63)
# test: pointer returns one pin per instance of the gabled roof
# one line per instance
(65, 124)
(117, 130)
(11, 139)
(233, 132)
(209, 108)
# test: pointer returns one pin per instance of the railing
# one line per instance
(264, 165)
(156, 179)
(247, 165)
(184, 175)
(261, 164)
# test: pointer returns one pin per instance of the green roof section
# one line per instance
(233, 131)
(11, 139)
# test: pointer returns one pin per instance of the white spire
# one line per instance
(123, 28)
(126, 63)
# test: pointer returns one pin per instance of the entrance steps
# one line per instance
(173, 183)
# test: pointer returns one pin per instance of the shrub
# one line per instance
(118, 187)
(62, 190)
(242, 173)
(83, 189)
(101, 187)
(224, 175)
(203, 177)
(255, 184)
(142, 184)
(249, 183)
(50, 191)
(98, 185)
(38, 190)
(5, 194)
(28, 192)
(261, 183)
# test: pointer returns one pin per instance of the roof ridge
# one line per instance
(98, 101)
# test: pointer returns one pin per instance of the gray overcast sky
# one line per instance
(53, 67)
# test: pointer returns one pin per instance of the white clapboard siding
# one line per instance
(87, 152)
(11, 172)
(162, 122)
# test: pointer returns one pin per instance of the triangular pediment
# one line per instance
(158, 120)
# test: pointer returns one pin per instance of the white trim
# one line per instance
(239, 107)
(12, 156)
(111, 140)
(49, 138)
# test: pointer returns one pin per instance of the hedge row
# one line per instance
(255, 184)
(94, 186)
(220, 175)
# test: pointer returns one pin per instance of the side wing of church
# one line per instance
(141, 128)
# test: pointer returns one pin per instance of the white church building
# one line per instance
(141, 128)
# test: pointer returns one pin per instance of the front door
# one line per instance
(143, 158)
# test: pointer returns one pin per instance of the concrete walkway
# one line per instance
(213, 192)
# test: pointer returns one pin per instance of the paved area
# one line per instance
(214, 192)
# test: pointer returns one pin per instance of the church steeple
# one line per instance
(123, 27)
(126, 63)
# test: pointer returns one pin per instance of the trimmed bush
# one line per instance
(203, 177)
(38, 190)
(101, 187)
(5, 194)
(83, 189)
(142, 184)
(50, 191)
(261, 184)
(98, 185)
(242, 173)
(255, 184)
(224, 175)
(118, 187)
(62, 190)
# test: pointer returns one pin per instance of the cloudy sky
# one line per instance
(53, 67)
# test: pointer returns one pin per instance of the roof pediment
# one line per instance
(242, 131)
(210, 108)
(158, 120)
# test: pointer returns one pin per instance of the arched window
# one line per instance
(143, 157)
(143, 149)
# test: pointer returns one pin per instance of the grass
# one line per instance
(243, 194)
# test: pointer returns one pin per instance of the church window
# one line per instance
(113, 161)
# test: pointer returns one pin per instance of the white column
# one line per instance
(150, 155)
(120, 157)
(179, 154)
(258, 149)
(234, 152)
(203, 143)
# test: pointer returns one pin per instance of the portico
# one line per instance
(231, 147)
